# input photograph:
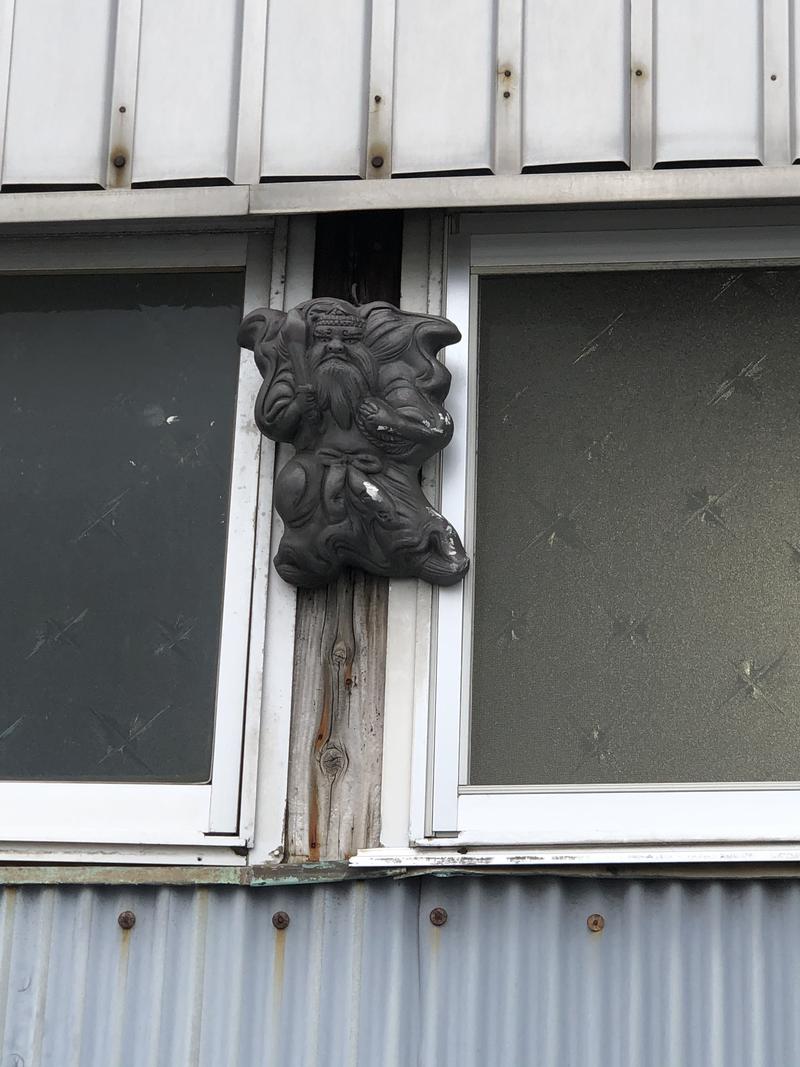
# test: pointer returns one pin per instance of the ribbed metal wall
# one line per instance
(684, 974)
(198, 90)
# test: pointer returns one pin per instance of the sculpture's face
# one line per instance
(334, 341)
(344, 371)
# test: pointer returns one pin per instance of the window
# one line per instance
(623, 664)
(129, 472)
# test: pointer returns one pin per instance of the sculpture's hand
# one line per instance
(308, 402)
(373, 414)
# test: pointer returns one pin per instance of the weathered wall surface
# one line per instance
(684, 974)
(109, 92)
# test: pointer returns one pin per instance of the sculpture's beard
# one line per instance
(342, 383)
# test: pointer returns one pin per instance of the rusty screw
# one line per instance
(507, 73)
(280, 920)
(638, 72)
(506, 94)
(377, 162)
(122, 109)
(119, 161)
(595, 922)
(378, 99)
(127, 920)
(438, 916)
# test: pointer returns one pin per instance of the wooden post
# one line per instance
(336, 744)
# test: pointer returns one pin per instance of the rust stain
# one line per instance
(378, 150)
(278, 967)
(118, 175)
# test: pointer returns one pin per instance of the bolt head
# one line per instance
(280, 920)
(127, 920)
(438, 916)
(119, 161)
(595, 922)
(377, 162)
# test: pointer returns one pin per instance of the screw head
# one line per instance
(127, 920)
(122, 109)
(506, 94)
(280, 920)
(119, 161)
(378, 99)
(507, 73)
(377, 162)
(438, 916)
(773, 77)
(595, 922)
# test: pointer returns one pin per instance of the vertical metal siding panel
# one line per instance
(187, 95)
(226, 946)
(794, 77)
(57, 123)
(575, 82)
(389, 986)
(63, 1024)
(315, 105)
(444, 85)
(708, 91)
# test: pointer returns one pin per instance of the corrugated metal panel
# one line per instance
(708, 69)
(58, 95)
(684, 974)
(315, 110)
(444, 85)
(575, 82)
(187, 89)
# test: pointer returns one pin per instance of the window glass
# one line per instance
(637, 558)
(117, 402)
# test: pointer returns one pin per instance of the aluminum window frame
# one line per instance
(166, 822)
(552, 824)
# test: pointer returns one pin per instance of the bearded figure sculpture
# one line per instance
(358, 391)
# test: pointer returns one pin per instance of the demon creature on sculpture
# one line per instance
(358, 391)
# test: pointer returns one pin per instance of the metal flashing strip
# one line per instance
(113, 204)
(476, 191)
(696, 185)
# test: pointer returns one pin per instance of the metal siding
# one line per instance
(58, 94)
(290, 98)
(575, 82)
(187, 89)
(708, 92)
(315, 108)
(444, 85)
(685, 974)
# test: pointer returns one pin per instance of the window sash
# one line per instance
(167, 813)
(455, 812)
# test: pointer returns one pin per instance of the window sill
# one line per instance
(769, 857)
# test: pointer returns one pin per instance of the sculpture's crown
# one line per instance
(336, 317)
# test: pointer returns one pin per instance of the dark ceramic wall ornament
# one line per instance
(359, 392)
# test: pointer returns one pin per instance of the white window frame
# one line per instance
(428, 670)
(191, 823)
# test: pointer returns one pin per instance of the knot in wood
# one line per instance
(339, 653)
(333, 761)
